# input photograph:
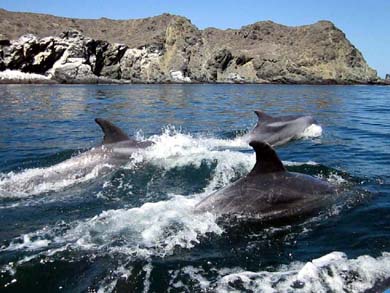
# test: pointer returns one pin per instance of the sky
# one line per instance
(366, 23)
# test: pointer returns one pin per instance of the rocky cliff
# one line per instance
(170, 48)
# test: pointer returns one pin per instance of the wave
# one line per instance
(82, 168)
(333, 272)
(152, 230)
(227, 160)
(172, 149)
(162, 229)
(155, 229)
(313, 131)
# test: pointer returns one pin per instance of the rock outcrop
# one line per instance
(170, 48)
(387, 79)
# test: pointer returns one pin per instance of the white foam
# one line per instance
(148, 269)
(9, 283)
(108, 284)
(152, 229)
(28, 244)
(40, 180)
(312, 131)
(333, 272)
(332, 178)
(291, 163)
(172, 149)
(18, 75)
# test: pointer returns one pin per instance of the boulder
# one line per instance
(142, 65)
(111, 61)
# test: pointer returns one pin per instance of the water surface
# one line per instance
(133, 228)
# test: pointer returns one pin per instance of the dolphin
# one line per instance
(269, 192)
(114, 151)
(279, 130)
(116, 147)
(117, 142)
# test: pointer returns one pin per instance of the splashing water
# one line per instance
(34, 181)
(333, 272)
(132, 226)
(312, 131)
(153, 229)
(172, 149)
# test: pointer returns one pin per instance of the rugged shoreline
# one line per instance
(45, 80)
(54, 82)
(170, 49)
(127, 82)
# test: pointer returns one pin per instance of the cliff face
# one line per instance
(169, 48)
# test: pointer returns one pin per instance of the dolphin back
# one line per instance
(267, 161)
(269, 192)
(112, 133)
(262, 116)
(279, 130)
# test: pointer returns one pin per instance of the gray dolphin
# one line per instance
(116, 142)
(269, 191)
(115, 151)
(116, 147)
(279, 130)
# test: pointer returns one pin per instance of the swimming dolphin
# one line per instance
(269, 191)
(117, 146)
(115, 151)
(279, 130)
(117, 142)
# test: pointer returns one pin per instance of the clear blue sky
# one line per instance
(365, 22)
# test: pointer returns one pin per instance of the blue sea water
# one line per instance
(67, 227)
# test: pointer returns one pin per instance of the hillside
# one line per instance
(169, 48)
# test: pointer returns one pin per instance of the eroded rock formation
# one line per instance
(170, 48)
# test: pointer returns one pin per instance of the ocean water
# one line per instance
(71, 223)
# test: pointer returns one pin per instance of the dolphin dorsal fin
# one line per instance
(111, 132)
(262, 116)
(267, 161)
